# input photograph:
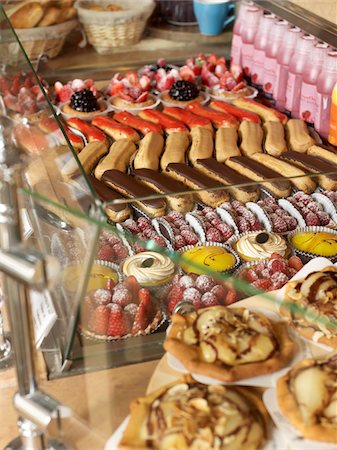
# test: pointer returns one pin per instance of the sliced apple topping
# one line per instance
(208, 352)
(189, 336)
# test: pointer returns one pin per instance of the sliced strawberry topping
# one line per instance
(187, 74)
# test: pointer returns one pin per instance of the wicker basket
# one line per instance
(45, 40)
(107, 30)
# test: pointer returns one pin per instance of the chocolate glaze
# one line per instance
(193, 175)
(261, 170)
(132, 187)
(162, 182)
(311, 162)
(229, 175)
(106, 194)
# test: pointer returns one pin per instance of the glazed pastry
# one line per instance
(320, 243)
(194, 179)
(114, 129)
(274, 143)
(149, 152)
(118, 157)
(201, 416)
(240, 114)
(117, 212)
(169, 124)
(188, 118)
(90, 132)
(88, 158)
(258, 172)
(298, 135)
(49, 126)
(229, 177)
(144, 126)
(266, 114)
(219, 119)
(131, 188)
(163, 184)
(229, 344)
(226, 144)
(149, 268)
(314, 165)
(307, 397)
(260, 245)
(202, 145)
(176, 146)
(251, 136)
(303, 183)
(310, 304)
(200, 258)
(322, 153)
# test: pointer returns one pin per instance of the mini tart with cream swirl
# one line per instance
(229, 344)
(310, 304)
(149, 268)
(260, 245)
(307, 397)
(187, 415)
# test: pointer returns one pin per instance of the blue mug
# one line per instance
(213, 15)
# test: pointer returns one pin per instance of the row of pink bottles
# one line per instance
(249, 29)
(237, 30)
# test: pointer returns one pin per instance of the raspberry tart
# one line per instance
(182, 93)
(229, 344)
(190, 415)
(83, 104)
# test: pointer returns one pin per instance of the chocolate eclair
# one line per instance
(131, 188)
(227, 176)
(163, 184)
(258, 172)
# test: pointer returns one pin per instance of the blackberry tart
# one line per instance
(182, 93)
(84, 104)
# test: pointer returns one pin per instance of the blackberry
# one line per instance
(183, 90)
(84, 101)
(155, 67)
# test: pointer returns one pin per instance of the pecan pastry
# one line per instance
(307, 396)
(229, 344)
(311, 306)
(187, 415)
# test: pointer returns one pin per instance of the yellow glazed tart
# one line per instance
(320, 243)
(257, 245)
(187, 415)
(98, 276)
(307, 397)
(149, 268)
(198, 258)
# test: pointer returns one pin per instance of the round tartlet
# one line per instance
(119, 104)
(228, 96)
(167, 100)
(200, 258)
(259, 245)
(67, 111)
(149, 268)
(310, 242)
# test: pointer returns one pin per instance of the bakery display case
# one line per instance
(203, 236)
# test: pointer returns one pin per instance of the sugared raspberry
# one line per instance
(143, 223)
(101, 296)
(231, 297)
(179, 241)
(213, 235)
(132, 226)
(243, 225)
(149, 233)
(314, 206)
(175, 296)
(279, 225)
(262, 284)
(216, 222)
(220, 292)
(206, 210)
(291, 272)
(295, 263)
(269, 201)
(205, 283)
(207, 225)
(278, 279)
(174, 215)
(110, 284)
(131, 310)
(209, 299)
(278, 265)
(191, 294)
(225, 230)
(238, 206)
(255, 225)
(251, 275)
(211, 215)
(190, 237)
(291, 222)
(179, 223)
(106, 253)
(175, 230)
(121, 252)
(248, 215)
(186, 282)
(260, 266)
(323, 217)
(311, 219)
(121, 296)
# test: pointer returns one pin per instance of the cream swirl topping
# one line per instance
(250, 247)
(149, 267)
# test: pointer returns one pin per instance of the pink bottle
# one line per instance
(276, 35)
(325, 84)
(237, 30)
(250, 26)
(300, 56)
(287, 47)
(311, 71)
(260, 44)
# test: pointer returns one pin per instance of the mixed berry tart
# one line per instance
(182, 93)
(84, 104)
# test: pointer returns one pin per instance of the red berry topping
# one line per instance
(133, 286)
(262, 284)
(110, 284)
(120, 252)
(251, 275)
(295, 263)
(106, 253)
(191, 294)
(118, 324)
(231, 297)
(102, 296)
(179, 241)
(213, 235)
(209, 299)
(278, 279)
(142, 316)
(220, 292)
(190, 237)
(204, 283)
(186, 281)
(278, 265)
(100, 320)
(122, 296)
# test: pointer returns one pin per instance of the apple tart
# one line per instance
(307, 397)
(229, 344)
(187, 415)
(310, 305)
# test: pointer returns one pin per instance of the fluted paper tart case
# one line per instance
(307, 256)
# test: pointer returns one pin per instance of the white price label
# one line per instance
(43, 313)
